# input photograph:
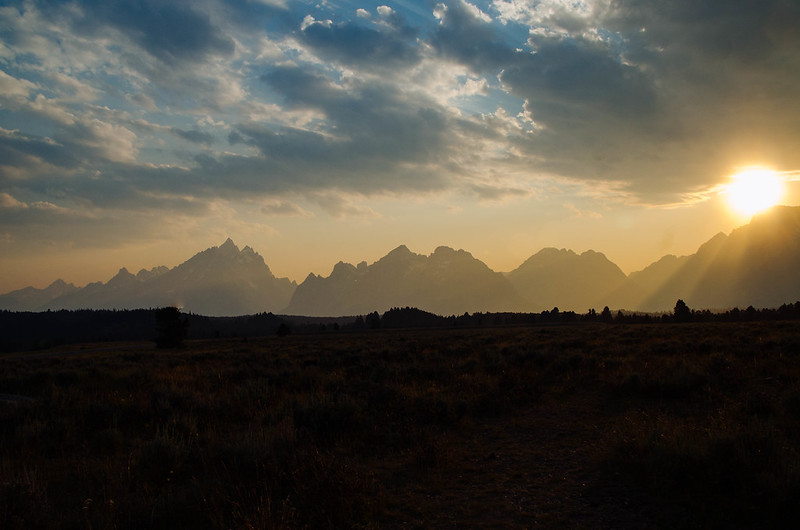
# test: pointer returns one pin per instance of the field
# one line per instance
(576, 426)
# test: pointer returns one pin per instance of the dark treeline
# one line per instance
(20, 331)
(410, 317)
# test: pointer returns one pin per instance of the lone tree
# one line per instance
(682, 312)
(170, 327)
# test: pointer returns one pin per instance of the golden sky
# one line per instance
(319, 132)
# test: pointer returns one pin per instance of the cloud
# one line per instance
(388, 48)
(115, 106)
(552, 17)
(21, 155)
(7, 202)
(467, 38)
(193, 135)
(170, 31)
(12, 88)
(637, 92)
(339, 206)
(497, 193)
(109, 141)
(18, 213)
(283, 208)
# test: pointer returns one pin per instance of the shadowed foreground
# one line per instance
(580, 426)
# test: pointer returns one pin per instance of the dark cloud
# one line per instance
(19, 150)
(654, 95)
(171, 31)
(562, 75)
(193, 135)
(747, 31)
(471, 41)
(368, 123)
(254, 15)
(389, 47)
(495, 193)
(565, 78)
(45, 223)
(590, 106)
(301, 87)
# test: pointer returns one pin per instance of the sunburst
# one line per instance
(753, 190)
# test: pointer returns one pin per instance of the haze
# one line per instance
(134, 134)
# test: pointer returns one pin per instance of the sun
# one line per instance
(754, 190)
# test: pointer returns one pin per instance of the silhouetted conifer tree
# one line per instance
(170, 327)
(682, 312)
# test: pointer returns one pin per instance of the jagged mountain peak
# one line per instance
(225, 255)
(398, 257)
(401, 250)
(343, 269)
(449, 252)
(553, 251)
(713, 244)
(229, 245)
(592, 254)
(145, 274)
(122, 277)
(546, 257)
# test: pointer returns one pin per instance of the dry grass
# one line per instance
(588, 426)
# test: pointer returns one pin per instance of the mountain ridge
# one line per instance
(218, 281)
(755, 264)
(447, 281)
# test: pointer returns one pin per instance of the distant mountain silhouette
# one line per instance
(447, 282)
(561, 278)
(32, 299)
(219, 281)
(688, 273)
(641, 284)
(757, 264)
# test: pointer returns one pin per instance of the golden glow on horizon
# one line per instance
(754, 190)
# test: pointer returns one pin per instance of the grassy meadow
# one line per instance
(693, 425)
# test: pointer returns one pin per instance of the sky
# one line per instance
(137, 133)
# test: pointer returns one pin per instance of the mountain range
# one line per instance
(756, 264)
(219, 281)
